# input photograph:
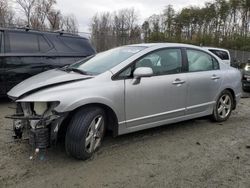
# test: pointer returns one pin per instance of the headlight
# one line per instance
(246, 68)
(41, 108)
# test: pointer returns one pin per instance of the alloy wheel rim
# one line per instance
(224, 106)
(94, 134)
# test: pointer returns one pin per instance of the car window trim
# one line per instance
(212, 55)
(48, 42)
(116, 75)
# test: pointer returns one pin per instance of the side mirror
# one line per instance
(141, 72)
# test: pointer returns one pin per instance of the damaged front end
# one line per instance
(38, 121)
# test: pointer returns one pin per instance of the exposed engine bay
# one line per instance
(38, 122)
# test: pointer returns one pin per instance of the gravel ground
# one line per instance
(196, 153)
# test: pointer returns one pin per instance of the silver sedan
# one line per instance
(125, 89)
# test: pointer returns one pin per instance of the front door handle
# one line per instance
(215, 77)
(178, 82)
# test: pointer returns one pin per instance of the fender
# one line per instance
(93, 100)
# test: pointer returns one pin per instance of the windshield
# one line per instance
(106, 60)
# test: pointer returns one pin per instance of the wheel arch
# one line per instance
(111, 118)
(233, 95)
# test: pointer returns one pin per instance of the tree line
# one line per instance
(222, 23)
(36, 14)
(114, 29)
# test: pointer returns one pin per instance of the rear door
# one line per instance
(204, 80)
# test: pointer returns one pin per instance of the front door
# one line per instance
(158, 98)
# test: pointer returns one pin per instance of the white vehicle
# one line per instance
(223, 54)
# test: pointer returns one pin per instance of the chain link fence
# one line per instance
(239, 58)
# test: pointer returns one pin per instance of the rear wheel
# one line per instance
(85, 132)
(223, 107)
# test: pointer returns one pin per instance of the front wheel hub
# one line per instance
(94, 134)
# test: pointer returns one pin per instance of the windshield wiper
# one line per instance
(76, 70)
(68, 69)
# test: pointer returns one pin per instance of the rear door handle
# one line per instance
(215, 77)
(178, 82)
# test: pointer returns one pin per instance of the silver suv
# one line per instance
(125, 89)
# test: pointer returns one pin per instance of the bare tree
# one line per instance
(69, 24)
(40, 13)
(54, 17)
(27, 6)
(6, 14)
(169, 14)
(115, 29)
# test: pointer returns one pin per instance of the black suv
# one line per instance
(25, 52)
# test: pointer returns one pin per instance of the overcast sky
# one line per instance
(84, 10)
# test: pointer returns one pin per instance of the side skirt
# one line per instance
(123, 129)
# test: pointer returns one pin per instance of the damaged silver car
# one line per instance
(123, 90)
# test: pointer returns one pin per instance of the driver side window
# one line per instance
(166, 61)
(162, 62)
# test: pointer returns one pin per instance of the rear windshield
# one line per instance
(77, 44)
(221, 54)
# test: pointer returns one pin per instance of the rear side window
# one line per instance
(20, 42)
(77, 44)
(221, 54)
(201, 61)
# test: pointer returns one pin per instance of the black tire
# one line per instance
(217, 115)
(78, 130)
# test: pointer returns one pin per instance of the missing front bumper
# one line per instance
(41, 131)
(39, 138)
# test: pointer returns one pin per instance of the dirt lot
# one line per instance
(196, 153)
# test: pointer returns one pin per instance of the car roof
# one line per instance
(164, 45)
(28, 30)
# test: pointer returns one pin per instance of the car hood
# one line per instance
(43, 80)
